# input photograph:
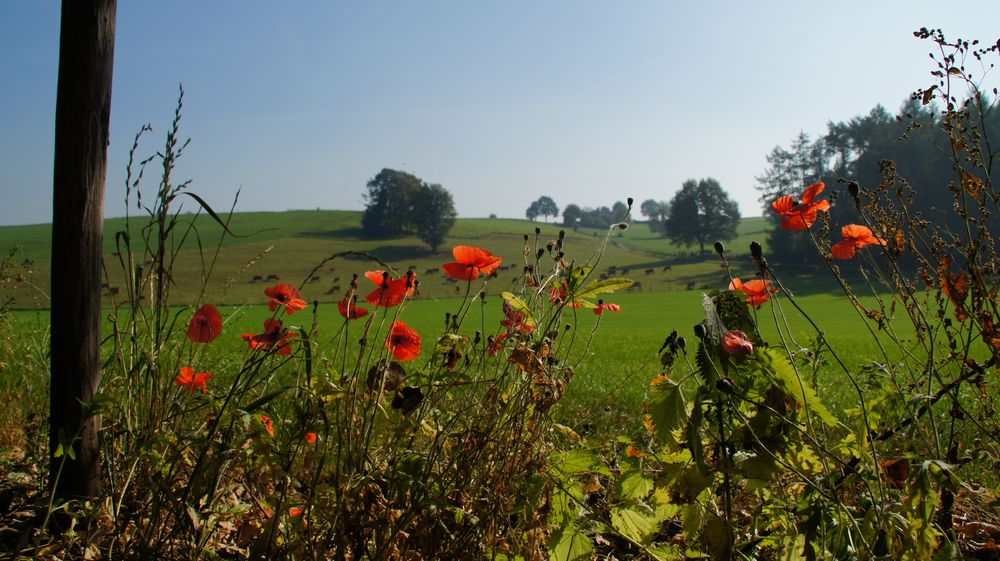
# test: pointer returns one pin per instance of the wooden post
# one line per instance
(83, 110)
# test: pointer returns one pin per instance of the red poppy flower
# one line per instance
(206, 325)
(558, 293)
(758, 291)
(610, 307)
(855, 236)
(470, 262)
(285, 295)
(515, 321)
(801, 215)
(267, 424)
(348, 308)
(311, 437)
(274, 335)
(295, 511)
(496, 344)
(403, 342)
(736, 343)
(389, 292)
(188, 379)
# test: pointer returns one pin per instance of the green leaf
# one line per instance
(574, 462)
(602, 287)
(265, 399)
(634, 486)
(570, 545)
(667, 408)
(637, 523)
(518, 305)
(774, 364)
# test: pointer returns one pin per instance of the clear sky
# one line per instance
(589, 102)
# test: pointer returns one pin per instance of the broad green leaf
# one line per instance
(667, 408)
(774, 364)
(602, 287)
(637, 523)
(573, 462)
(634, 486)
(570, 545)
(518, 305)
(665, 553)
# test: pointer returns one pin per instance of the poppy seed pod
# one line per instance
(755, 250)
(719, 248)
(629, 201)
(700, 331)
(538, 230)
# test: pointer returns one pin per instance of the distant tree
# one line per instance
(620, 211)
(433, 214)
(656, 212)
(390, 198)
(532, 212)
(547, 207)
(571, 216)
(400, 203)
(702, 211)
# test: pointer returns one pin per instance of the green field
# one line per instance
(290, 244)
(613, 373)
(611, 380)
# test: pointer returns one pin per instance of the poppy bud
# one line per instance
(526, 237)
(477, 339)
(699, 330)
(720, 249)
(541, 252)
(538, 230)
(725, 385)
(622, 226)
(755, 250)
(629, 200)
(854, 189)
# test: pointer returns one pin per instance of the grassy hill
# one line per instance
(290, 244)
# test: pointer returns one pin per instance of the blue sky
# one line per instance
(588, 102)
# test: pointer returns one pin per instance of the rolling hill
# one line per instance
(289, 245)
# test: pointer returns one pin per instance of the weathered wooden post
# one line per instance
(83, 110)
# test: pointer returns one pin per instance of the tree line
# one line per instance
(855, 150)
(700, 212)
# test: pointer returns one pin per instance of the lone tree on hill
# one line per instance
(401, 203)
(702, 211)
(544, 206)
(433, 215)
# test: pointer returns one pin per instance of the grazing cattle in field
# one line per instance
(431, 271)
(624, 271)
(104, 286)
(332, 269)
(612, 270)
(666, 268)
(602, 276)
(635, 286)
(114, 290)
(272, 277)
(650, 271)
(333, 289)
(690, 285)
(314, 279)
(257, 278)
(411, 268)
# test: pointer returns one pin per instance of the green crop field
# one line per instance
(614, 369)
(615, 365)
